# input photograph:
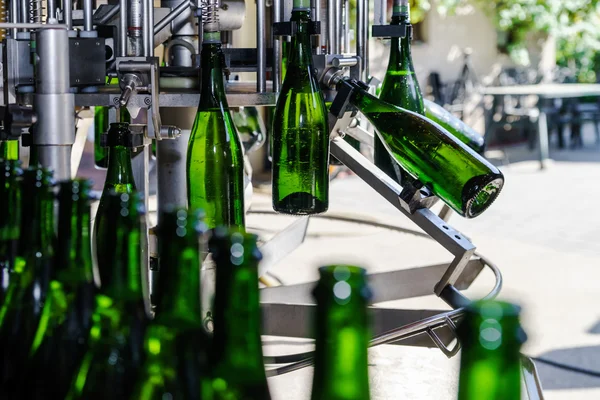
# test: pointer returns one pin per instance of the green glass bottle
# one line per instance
(9, 149)
(119, 178)
(342, 334)
(491, 337)
(10, 229)
(237, 371)
(215, 162)
(61, 343)
(250, 127)
(455, 126)
(21, 318)
(400, 87)
(463, 179)
(176, 341)
(300, 136)
(100, 128)
(115, 351)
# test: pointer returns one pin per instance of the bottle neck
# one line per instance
(178, 291)
(400, 50)
(300, 52)
(364, 101)
(341, 360)
(10, 197)
(119, 175)
(212, 90)
(38, 222)
(486, 374)
(74, 257)
(237, 320)
(122, 251)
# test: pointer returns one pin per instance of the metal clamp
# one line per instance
(392, 31)
(141, 74)
(15, 119)
(440, 344)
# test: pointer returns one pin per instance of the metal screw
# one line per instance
(76, 43)
(116, 101)
(147, 101)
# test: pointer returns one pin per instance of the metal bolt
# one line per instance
(76, 43)
(116, 101)
(147, 101)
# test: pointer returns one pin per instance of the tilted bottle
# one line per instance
(300, 136)
(455, 126)
(463, 179)
(21, 318)
(236, 361)
(61, 343)
(215, 161)
(10, 228)
(115, 351)
(9, 150)
(176, 342)
(342, 334)
(400, 87)
(491, 337)
(119, 177)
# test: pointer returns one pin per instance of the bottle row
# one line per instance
(74, 328)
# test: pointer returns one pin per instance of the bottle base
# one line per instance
(300, 203)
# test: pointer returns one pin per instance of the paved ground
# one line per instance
(542, 232)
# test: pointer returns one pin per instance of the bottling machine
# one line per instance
(56, 60)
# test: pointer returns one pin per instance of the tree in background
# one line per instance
(574, 23)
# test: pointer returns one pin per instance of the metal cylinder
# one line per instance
(68, 13)
(135, 18)
(276, 9)
(150, 28)
(56, 158)
(51, 11)
(54, 104)
(88, 10)
(332, 31)
(261, 37)
(361, 33)
(123, 28)
(52, 72)
(14, 17)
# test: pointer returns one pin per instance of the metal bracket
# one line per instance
(440, 344)
(392, 31)
(290, 28)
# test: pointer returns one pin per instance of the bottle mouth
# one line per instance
(483, 198)
(342, 283)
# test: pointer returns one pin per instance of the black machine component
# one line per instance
(87, 65)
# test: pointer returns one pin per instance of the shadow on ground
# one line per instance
(586, 358)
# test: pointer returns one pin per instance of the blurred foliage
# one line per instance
(574, 23)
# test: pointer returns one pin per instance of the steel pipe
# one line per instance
(14, 18)
(109, 15)
(88, 10)
(276, 72)
(21, 25)
(51, 11)
(176, 12)
(123, 29)
(261, 50)
(68, 13)
(331, 27)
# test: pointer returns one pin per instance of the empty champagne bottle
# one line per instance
(176, 342)
(119, 177)
(215, 162)
(455, 126)
(115, 351)
(400, 87)
(9, 149)
(491, 337)
(236, 361)
(62, 341)
(21, 318)
(463, 179)
(342, 334)
(300, 138)
(10, 229)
